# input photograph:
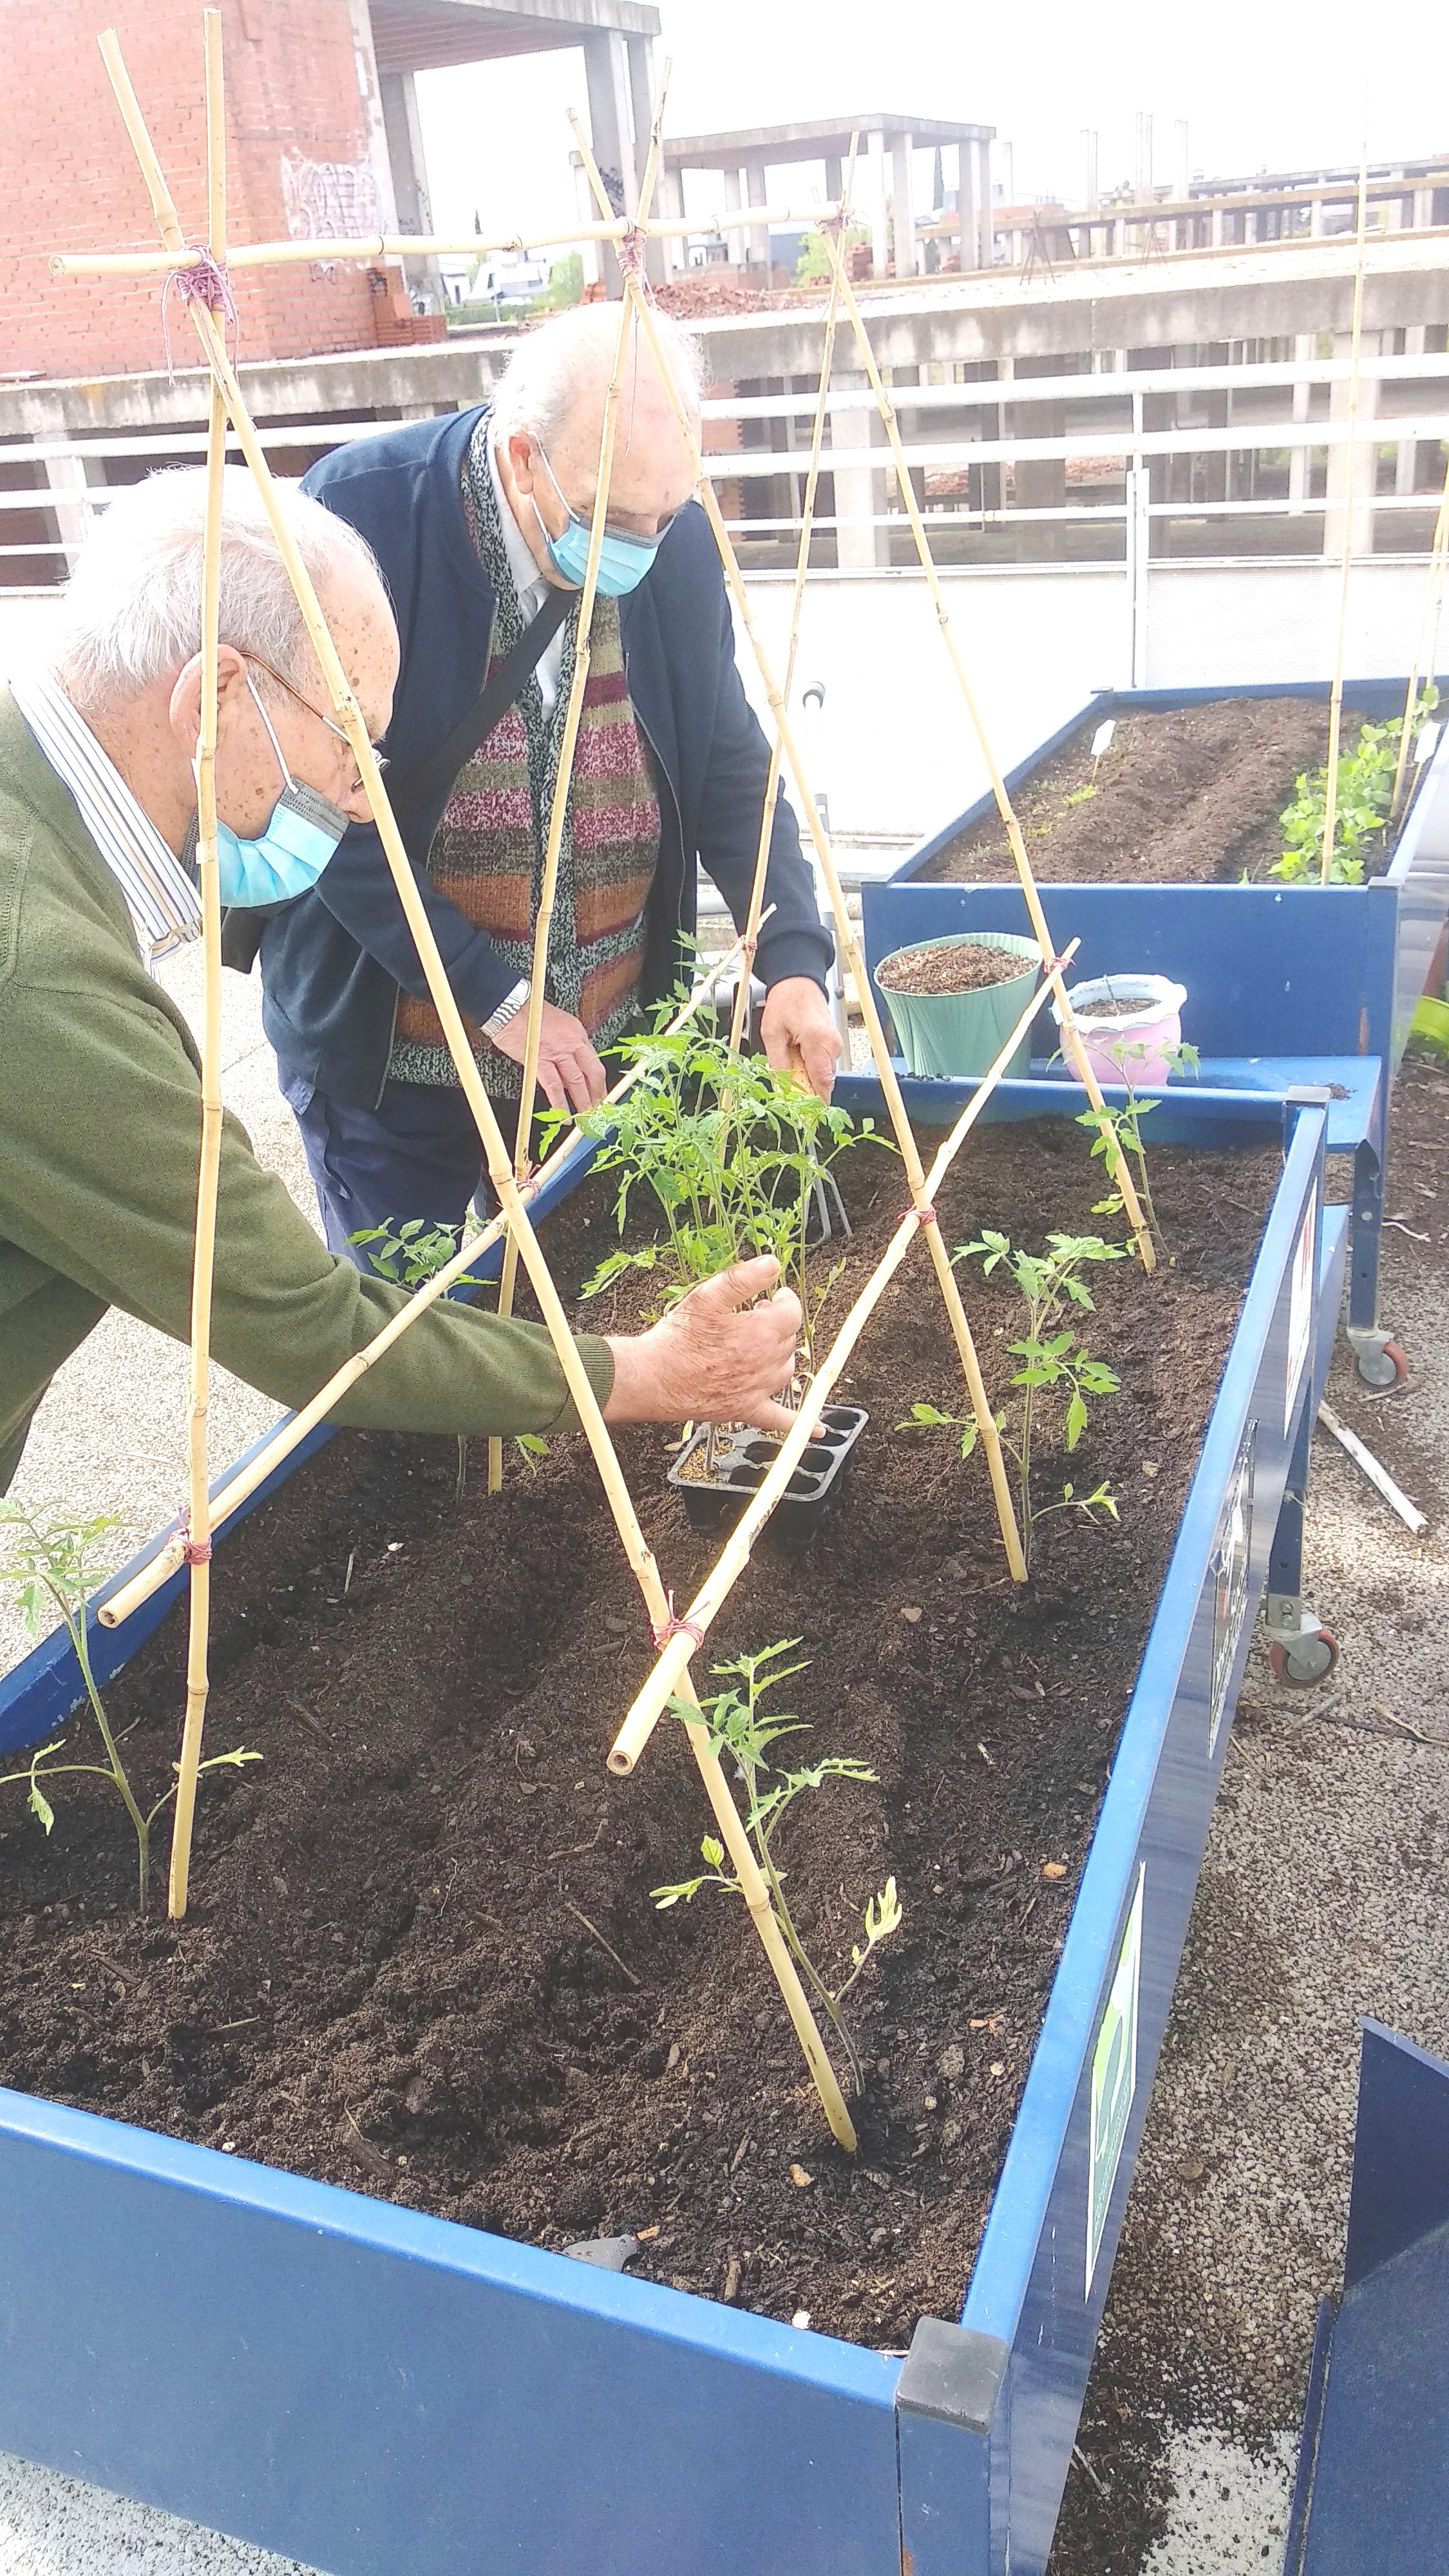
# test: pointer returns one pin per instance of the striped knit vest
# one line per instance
(487, 853)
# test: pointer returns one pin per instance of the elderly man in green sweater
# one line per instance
(99, 1088)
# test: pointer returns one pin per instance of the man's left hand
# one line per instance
(798, 1034)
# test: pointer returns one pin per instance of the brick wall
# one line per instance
(297, 164)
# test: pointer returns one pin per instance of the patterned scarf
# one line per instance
(487, 854)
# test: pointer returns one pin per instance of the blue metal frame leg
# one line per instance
(1380, 1361)
(1299, 1649)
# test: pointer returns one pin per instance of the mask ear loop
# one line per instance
(271, 735)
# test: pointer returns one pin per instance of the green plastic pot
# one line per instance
(956, 1035)
(1431, 1023)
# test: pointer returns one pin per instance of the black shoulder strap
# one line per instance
(421, 785)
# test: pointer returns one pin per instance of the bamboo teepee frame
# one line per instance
(510, 1178)
(741, 1854)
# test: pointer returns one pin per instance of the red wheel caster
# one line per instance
(1384, 1366)
(1304, 1660)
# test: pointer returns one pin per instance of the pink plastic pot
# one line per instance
(1133, 1046)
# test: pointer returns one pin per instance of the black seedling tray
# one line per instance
(743, 1459)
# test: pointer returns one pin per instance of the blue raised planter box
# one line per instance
(1286, 984)
(383, 2394)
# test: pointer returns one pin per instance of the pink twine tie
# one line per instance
(200, 282)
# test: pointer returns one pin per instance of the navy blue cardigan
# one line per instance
(333, 962)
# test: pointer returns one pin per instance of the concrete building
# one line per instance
(884, 194)
(322, 138)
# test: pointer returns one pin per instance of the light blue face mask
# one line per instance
(286, 859)
(623, 561)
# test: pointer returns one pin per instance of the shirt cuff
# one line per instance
(508, 1009)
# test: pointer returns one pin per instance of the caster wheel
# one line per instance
(1309, 1659)
(1385, 1367)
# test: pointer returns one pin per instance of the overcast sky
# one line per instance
(1261, 83)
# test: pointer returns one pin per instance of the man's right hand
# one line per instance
(570, 1075)
(713, 1357)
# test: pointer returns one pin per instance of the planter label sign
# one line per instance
(1300, 1305)
(1230, 1582)
(1114, 2079)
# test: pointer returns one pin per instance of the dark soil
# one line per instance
(956, 966)
(422, 1959)
(1190, 796)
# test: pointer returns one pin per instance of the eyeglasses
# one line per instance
(294, 692)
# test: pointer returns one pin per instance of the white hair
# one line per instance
(132, 609)
(556, 364)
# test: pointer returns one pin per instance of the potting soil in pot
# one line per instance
(950, 966)
(422, 1958)
(1183, 796)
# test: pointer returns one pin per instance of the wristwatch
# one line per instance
(508, 1009)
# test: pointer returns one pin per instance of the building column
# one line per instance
(860, 490)
(834, 179)
(1352, 482)
(758, 241)
(67, 478)
(734, 195)
(402, 126)
(874, 208)
(1406, 453)
(641, 99)
(903, 213)
(670, 195)
(1303, 347)
(606, 71)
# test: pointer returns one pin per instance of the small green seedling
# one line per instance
(1123, 1128)
(1051, 1362)
(742, 1732)
(730, 1151)
(53, 1561)
(1361, 805)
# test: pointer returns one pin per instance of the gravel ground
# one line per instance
(1321, 1899)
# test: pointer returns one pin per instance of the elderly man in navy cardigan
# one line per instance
(476, 518)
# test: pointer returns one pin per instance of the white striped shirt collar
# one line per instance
(160, 894)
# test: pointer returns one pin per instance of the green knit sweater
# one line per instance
(100, 1116)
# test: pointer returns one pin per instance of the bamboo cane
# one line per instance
(740, 1011)
(1071, 1035)
(543, 924)
(1428, 628)
(204, 1256)
(636, 1548)
(1335, 697)
(847, 943)
(289, 1435)
(730, 1564)
(374, 246)
(559, 803)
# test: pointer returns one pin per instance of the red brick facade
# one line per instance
(297, 164)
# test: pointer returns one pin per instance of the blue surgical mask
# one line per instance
(623, 561)
(286, 859)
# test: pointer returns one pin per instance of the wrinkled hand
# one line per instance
(798, 1034)
(570, 1075)
(708, 1361)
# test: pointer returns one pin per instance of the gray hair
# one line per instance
(552, 365)
(132, 609)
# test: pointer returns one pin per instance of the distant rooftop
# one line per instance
(818, 139)
(427, 35)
